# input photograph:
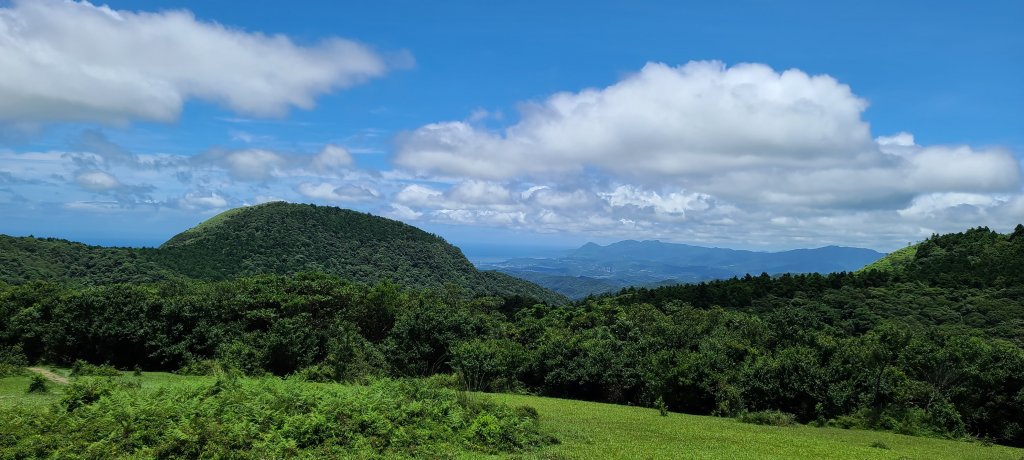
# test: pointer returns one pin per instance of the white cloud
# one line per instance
(479, 192)
(337, 194)
(331, 158)
(547, 197)
(419, 195)
(704, 151)
(73, 61)
(402, 212)
(196, 200)
(671, 203)
(212, 180)
(698, 118)
(963, 169)
(245, 165)
(96, 181)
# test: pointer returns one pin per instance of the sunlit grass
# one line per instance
(593, 430)
(588, 430)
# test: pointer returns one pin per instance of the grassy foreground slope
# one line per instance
(587, 430)
(590, 430)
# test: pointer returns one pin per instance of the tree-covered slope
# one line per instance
(272, 238)
(976, 257)
(27, 259)
(287, 238)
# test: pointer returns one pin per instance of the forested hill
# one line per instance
(273, 238)
(977, 257)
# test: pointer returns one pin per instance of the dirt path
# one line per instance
(49, 375)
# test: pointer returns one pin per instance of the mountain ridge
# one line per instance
(595, 269)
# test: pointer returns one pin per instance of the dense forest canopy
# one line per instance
(932, 345)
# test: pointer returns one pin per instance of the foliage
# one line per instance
(768, 417)
(12, 361)
(81, 368)
(37, 384)
(936, 349)
(267, 418)
(661, 406)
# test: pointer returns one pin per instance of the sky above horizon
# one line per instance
(529, 125)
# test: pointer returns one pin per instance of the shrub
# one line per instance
(81, 368)
(12, 361)
(660, 405)
(316, 373)
(200, 367)
(942, 421)
(768, 417)
(488, 365)
(37, 384)
(270, 418)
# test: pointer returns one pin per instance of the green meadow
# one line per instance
(587, 430)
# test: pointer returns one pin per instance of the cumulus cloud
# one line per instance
(74, 61)
(337, 194)
(96, 181)
(480, 192)
(701, 151)
(745, 133)
(245, 165)
(419, 195)
(331, 158)
(665, 121)
(672, 203)
(200, 200)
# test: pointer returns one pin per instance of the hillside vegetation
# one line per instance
(273, 238)
(264, 418)
(935, 349)
(196, 415)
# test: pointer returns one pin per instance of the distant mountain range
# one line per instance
(596, 269)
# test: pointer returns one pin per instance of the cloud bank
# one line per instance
(741, 156)
(678, 152)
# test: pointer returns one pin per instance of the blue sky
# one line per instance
(758, 124)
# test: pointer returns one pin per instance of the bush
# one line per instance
(316, 373)
(12, 361)
(942, 421)
(200, 367)
(660, 405)
(270, 418)
(488, 365)
(85, 392)
(768, 417)
(38, 384)
(81, 368)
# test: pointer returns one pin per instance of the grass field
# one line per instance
(598, 431)
(593, 430)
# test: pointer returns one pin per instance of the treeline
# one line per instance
(831, 357)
